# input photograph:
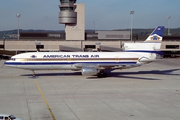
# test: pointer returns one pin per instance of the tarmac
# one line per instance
(150, 92)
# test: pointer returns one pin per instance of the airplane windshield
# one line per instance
(13, 59)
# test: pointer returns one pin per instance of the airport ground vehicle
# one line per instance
(8, 117)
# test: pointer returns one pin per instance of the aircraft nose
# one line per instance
(8, 63)
(5, 63)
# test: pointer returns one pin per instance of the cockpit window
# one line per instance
(13, 59)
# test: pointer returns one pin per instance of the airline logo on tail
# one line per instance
(156, 35)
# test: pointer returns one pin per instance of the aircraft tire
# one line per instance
(101, 75)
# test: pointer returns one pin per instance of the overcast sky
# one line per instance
(107, 14)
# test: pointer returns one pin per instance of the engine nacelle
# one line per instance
(89, 71)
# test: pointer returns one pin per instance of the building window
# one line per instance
(67, 8)
(1, 46)
(172, 46)
(39, 46)
(90, 46)
(68, 1)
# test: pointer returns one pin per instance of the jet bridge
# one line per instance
(110, 49)
(69, 49)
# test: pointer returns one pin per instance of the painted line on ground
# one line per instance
(3, 64)
(45, 101)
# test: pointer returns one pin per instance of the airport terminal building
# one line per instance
(76, 38)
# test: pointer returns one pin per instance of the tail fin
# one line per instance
(152, 44)
(156, 35)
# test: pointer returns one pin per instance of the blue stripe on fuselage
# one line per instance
(64, 63)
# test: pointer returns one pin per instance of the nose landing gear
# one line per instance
(33, 75)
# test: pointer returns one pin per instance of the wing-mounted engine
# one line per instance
(145, 60)
(88, 71)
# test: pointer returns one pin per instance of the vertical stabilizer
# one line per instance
(152, 44)
(156, 35)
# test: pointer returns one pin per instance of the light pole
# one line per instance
(169, 18)
(131, 13)
(94, 26)
(18, 16)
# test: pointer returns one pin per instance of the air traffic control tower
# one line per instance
(73, 16)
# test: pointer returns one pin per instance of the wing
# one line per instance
(105, 66)
(89, 69)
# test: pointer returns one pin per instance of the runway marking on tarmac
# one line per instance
(45, 101)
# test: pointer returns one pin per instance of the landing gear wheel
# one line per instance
(100, 75)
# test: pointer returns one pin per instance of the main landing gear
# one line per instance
(101, 74)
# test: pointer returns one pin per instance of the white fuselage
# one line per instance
(71, 60)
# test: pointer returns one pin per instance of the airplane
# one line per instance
(93, 63)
